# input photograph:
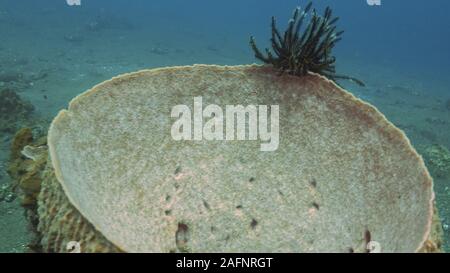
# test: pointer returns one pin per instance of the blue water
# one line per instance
(399, 49)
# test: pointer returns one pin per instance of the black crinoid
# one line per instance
(302, 50)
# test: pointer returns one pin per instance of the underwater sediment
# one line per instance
(14, 111)
(116, 181)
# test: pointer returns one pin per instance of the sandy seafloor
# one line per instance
(71, 60)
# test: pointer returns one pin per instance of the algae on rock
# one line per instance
(25, 170)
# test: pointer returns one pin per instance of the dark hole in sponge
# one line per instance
(253, 224)
(182, 237)
(206, 205)
(367, 238)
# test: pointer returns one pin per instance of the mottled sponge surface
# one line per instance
(60, 223)
(342, 176)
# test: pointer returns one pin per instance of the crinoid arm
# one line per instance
(352, 79)
(302, 49)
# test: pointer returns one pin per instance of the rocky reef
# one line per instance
(28, 158)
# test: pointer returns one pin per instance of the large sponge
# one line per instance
(342, 177)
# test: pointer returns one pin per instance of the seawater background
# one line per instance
(400, 49)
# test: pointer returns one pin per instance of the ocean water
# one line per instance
(50, 52)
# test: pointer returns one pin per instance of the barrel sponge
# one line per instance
(60, 223)
(342, 176)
